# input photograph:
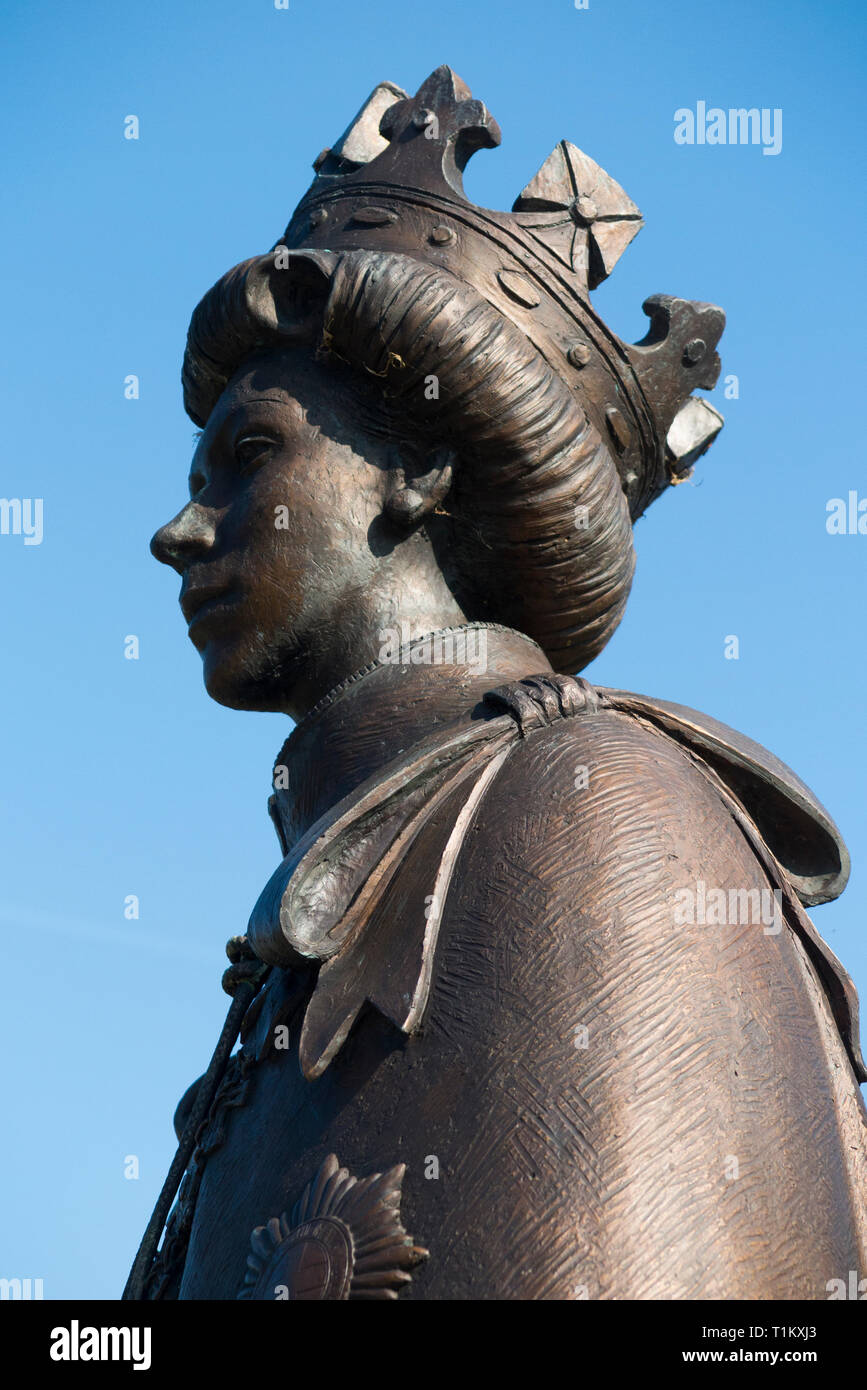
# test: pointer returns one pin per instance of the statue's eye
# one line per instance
(197, 482)
(252, 450)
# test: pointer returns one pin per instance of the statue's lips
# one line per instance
(202, 603)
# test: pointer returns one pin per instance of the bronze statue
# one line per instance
(531, 1008)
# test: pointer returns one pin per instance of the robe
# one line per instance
(546, 1019)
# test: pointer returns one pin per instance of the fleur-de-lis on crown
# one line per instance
(424, 139)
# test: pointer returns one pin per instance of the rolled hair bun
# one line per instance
(548, 544)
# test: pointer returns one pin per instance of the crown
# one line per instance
(393, 183)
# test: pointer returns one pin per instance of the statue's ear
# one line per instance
(417, 485)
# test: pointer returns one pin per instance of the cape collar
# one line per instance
(359, 898)
(380, 712)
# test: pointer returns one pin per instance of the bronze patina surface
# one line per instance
(531, 1008)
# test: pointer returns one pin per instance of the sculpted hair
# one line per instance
(542, 528)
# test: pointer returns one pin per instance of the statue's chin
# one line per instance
(238, 680)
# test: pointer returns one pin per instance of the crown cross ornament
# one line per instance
(579, 212)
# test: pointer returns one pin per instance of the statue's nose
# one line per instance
(190, 534)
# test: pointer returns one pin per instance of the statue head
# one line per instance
(410, 411)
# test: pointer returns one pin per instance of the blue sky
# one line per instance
(121, 777)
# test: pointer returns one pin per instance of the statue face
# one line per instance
(284, 532)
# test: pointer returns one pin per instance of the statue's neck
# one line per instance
(376, 714)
